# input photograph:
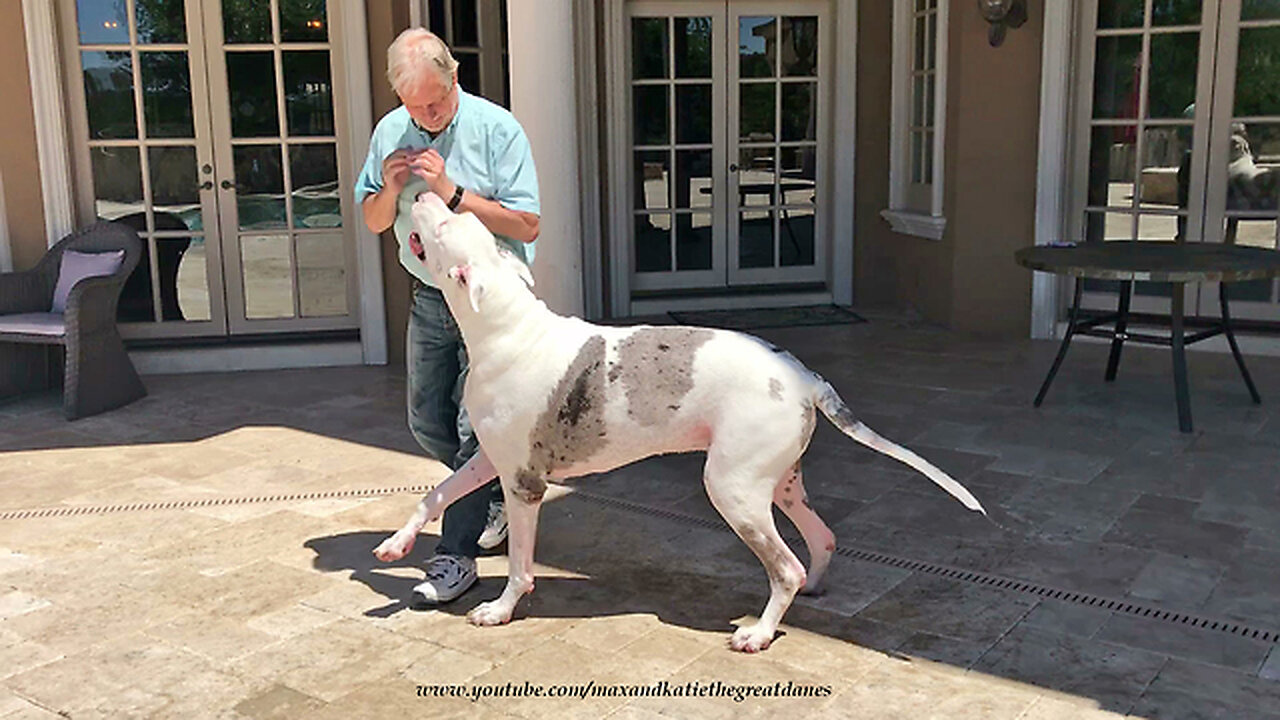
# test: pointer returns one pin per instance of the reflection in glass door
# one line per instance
(726, 116)
(1180, 136)
(211, 130)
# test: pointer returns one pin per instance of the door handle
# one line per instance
(227, 185)
(733, 167)
(206, 185)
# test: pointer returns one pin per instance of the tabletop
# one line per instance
(1154, 261)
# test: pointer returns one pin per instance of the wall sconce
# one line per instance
(1002, 14)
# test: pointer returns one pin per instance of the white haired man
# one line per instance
(476, 157)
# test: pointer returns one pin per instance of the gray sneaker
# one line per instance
(448, 576)
(495, 528)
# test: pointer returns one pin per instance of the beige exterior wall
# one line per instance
(18, 160)
(967, 280)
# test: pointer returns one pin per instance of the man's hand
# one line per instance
(429, 165)
(395, 171)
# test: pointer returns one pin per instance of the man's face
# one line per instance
(431, 103)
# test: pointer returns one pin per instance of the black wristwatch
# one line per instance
(456, 199)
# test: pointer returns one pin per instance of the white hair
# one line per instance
(414, 51)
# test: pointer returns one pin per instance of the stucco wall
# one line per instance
(993, 116)
(967, 280)
(18, 160)
(386, 20)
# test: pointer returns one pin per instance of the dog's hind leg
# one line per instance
(523, 499)
(790, 496)
(743, 496)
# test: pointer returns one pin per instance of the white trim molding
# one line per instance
(355, 51)
(844, 151)
(909, 223)
(235, 359)
(917, 208)
(1056, 73)
(51, 128)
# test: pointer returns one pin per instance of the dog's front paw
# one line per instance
(395, 547)
(751, 639)
(490, 613)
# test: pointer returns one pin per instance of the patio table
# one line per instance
(1171, 262)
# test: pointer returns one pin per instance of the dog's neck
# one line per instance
(493, 335)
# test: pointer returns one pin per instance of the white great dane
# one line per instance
(554, 397)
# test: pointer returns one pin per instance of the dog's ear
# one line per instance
(463, 275)
(509, 258)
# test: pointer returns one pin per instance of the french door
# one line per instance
(728, 106)
(210, 127)
(1178, 136)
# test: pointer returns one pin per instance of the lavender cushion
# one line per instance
(77, 266)
(33, 324)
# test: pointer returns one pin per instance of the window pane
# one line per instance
(308, 94)
(653, 242)
(693, 179)
(246, 21)
(693, 113)
(1175, 59)
(799, 114)
(259, 186)
(435, 18)
(469, 70)
(796, 248)
(166, 94)
(1120, 13)
(1166, 166)
(267, 275)
(757, 108)
(800, 46)
(1176, 12)
(108, 91)
(192, 276)
(693, 241)
(755, 239)
(102, 22)
(1115, 77)
(313, 170)
(322, 275)
(1258, 72)
(1112, 163)
(693, 47)
(175, 188)
(1101, 226)
(252, 80)
(1260, 10)
(648, 48)
(161, 21)
(756, 175)
(651, 114)
(652, 179)
(117, 181)
(466, 30)
(303, 21)
(757, 46)
(1253, 175)
(799, 168)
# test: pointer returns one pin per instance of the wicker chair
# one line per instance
(97, 372)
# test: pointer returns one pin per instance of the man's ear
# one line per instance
(509, 258)
(463, 275)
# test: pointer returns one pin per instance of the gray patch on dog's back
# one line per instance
(655, 366)
(571, 428)
(775, 389)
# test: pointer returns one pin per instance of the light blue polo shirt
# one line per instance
(485, 151)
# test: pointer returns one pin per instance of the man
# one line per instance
(476, 157)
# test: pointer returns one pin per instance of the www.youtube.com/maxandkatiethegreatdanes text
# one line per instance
(663, 688)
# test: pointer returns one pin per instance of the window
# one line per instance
(918, 117)
(476, 33)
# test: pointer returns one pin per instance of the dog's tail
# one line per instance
(842, 417)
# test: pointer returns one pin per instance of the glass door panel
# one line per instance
(776, 119)
(145, 156)
(676, 148)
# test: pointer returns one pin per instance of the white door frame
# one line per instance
(54, 151)
(843, 81)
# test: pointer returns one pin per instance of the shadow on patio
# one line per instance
(1096, 493)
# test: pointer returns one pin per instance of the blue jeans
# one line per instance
(436, 365)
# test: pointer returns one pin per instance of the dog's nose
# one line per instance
(420, 196)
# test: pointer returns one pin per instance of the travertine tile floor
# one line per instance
(277, 610)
